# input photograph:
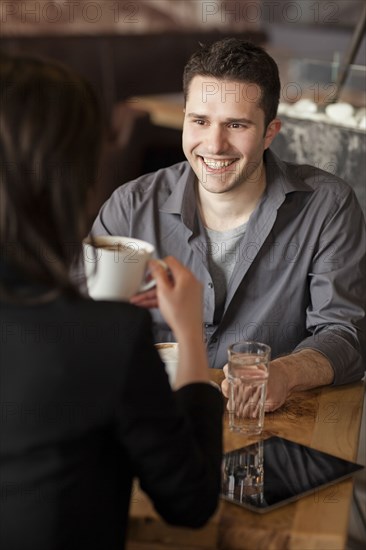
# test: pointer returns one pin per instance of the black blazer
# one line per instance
(86, 406)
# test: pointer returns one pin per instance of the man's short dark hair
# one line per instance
(240, 61)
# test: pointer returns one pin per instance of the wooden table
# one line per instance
(327, 419)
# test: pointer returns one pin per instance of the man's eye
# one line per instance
(199, 121)
(236, 125)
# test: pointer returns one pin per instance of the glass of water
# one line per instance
(247, 377)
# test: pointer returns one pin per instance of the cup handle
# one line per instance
(152, 283)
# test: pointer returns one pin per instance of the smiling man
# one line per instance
(279, 248)
(224, 138)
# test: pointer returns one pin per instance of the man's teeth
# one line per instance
(217, 164)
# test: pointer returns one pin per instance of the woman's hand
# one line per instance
(180, 299)
(179, 296)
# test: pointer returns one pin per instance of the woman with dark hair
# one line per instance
(85, 401)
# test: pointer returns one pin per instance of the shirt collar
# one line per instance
(182, 200)
(282, 178)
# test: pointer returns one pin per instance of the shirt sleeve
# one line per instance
(336, 315)
(113, 217)
(174, 439)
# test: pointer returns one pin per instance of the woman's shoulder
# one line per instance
(76, 311)
(105, 309)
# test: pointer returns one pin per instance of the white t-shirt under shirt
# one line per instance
(222, 254)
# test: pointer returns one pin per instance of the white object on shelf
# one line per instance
(305, 106)
(340, 112)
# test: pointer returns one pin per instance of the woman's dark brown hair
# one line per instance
(50, 136)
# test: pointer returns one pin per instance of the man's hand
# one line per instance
(277, 391)
(146, 299)
(149, 298)
(303, 370)
(277, 388)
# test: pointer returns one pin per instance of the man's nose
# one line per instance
(216, 140)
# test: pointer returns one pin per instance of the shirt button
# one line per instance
(210, 285)
(207, 325)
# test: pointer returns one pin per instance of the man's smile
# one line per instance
(216, 165)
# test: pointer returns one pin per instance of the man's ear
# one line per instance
(272, 130)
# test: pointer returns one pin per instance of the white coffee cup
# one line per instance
(169, 354)
(116, 267)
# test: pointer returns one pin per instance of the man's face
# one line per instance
(223, 134)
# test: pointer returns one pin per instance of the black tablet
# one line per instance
(273, 472)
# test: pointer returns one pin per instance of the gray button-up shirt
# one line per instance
(299, 277)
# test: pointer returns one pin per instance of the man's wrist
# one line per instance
(304, 369)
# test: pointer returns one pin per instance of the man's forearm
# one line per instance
(298, 371)
(304, 370)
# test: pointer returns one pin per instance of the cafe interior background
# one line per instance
(129, 49)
